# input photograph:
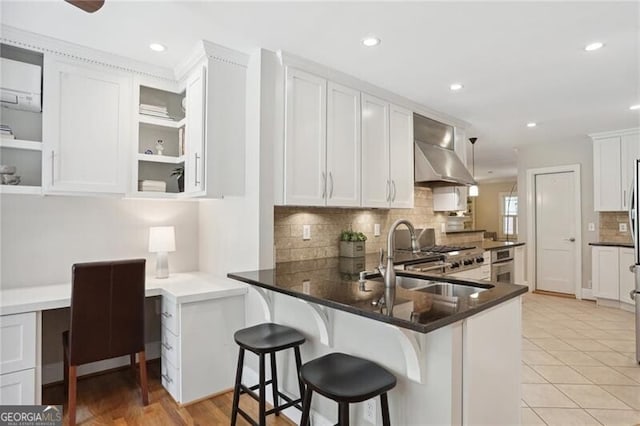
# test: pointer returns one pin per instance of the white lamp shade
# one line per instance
(162, 239)
(473, 191)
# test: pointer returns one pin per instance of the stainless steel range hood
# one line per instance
(436, 163)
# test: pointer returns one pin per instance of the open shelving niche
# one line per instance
(25, 151)
(171, 131)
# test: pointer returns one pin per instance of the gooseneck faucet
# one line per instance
(389, 272)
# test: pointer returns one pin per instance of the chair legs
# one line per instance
(384, 404)
(274, 382)
(73, 378)
(306, 407)
(236, 389)
(143, 377)
(132, 362)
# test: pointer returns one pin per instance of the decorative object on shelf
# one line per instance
(155, 111)
(159, 146)
(178, 173)
(152, 186)
(352, 243)
(148, 152)
(162, 240)
(183, 104)
(181, 141)
(473, 189)
(6, 132)
(7, 175)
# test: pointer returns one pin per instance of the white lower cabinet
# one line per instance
(611, 278)
(18, 359)
(18, 388)
(198, 350)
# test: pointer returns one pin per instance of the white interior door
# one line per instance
(555, 232)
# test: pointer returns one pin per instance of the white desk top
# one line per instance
(179, 287)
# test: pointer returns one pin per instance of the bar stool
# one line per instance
(264, 339)
(345, 379)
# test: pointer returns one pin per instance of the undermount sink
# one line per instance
(440, 288)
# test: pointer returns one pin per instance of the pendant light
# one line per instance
(473, 189)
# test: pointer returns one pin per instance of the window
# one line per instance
(509, 214)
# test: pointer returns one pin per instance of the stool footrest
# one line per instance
(290, 403)
(247, 417)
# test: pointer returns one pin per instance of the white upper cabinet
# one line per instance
(629, 152)
(86, 127)
(343, 146)
(195, 132)
(376, 183)
(305, 139)
(401, 157)
(614, 155)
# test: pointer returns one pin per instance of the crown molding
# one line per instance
(44, 44)
(614, 133)
(208, 50)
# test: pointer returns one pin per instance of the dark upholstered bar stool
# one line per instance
(264, 339)
(345, 379)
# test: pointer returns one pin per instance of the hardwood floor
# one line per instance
(114, 399)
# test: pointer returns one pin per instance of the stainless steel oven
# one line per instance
(502, 265)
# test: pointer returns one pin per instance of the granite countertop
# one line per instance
(465, 231)
(495, 245)
(334, 283)
(611, 244)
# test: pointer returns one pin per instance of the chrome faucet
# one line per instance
(389, 272)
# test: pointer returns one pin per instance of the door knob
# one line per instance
(570, 239)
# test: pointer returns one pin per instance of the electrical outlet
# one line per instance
(376, 230)
(622, 227)
(306, 232)
(592, 227)
(370, 411)
(306, 286)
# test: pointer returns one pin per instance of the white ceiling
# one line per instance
(518, 61)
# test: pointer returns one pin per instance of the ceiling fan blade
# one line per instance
(89, 6)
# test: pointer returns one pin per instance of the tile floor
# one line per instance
(578, 364)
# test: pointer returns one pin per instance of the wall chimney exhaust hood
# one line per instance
(436, 163)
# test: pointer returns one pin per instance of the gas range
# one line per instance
(456, 259)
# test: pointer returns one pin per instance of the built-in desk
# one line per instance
(199, 314)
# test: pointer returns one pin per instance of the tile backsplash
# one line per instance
(609, 230)
(327, 223)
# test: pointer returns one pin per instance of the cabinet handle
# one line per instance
(53, 154)
(167, 378)
(330, 185)
(166, 315)
(323, 182)
(167, 346)
(196, 158)
(624, 198)
(393, 182)
(388, 191)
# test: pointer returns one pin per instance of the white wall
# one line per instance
(558, 154)
(42, 236)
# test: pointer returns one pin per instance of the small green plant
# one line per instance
(349, 235)
(178, 172)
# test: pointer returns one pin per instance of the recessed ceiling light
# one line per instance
(371, 41)
(634, 107)
(456, 86)
(593, 46)
(157, 47)
(532, 124)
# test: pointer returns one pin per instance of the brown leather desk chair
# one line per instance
(107, 320)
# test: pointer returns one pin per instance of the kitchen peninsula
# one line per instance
(455, 349)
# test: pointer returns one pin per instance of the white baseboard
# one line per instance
(587, 294)
(250, 377)
(54, 372)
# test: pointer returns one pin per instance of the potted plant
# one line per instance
(178, 173)
(352, 243)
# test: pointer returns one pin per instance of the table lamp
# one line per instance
(162, 240)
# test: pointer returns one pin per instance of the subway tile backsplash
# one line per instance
(609, 230)
(327, 223)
